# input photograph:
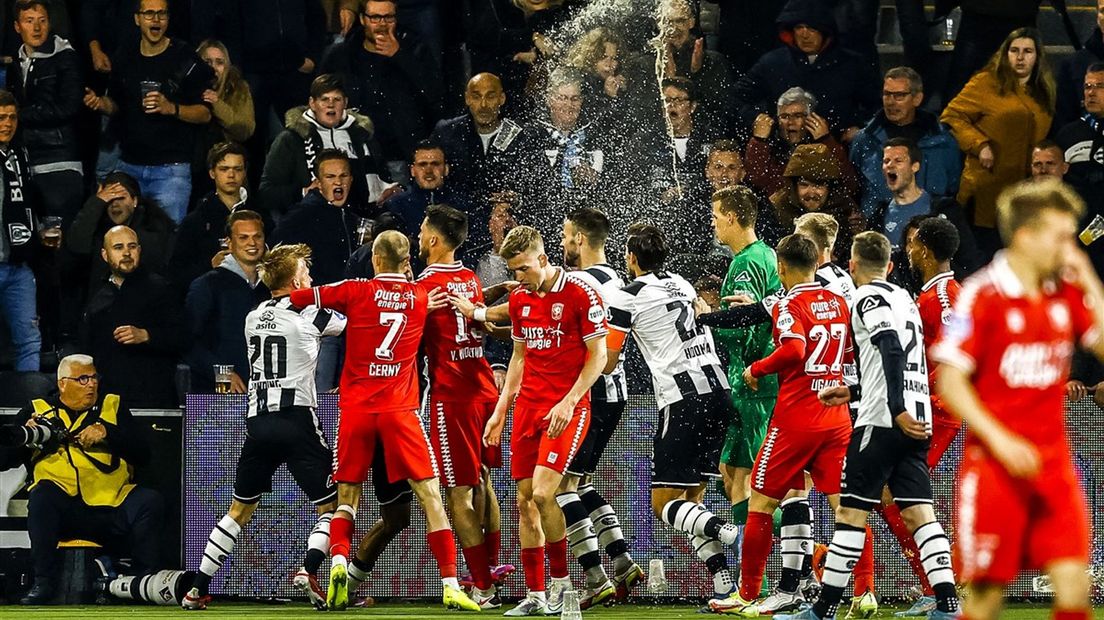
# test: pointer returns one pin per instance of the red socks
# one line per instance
(493, 542)
(476, 557)
(892, 516)
(758, 540)
(864, 569)
(1070, 614)
(341, 532)
(532, 564)
(443, 548)
(557, 557)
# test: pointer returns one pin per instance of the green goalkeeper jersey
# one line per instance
(754, 272)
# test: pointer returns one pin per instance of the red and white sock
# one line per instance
(758, 540)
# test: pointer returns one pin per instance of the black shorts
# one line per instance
(290, 436)
(877, 457)
(603, 422)
(689, 438)
(387, 492)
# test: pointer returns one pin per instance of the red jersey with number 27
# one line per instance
(555, 327)
(386, 317)
(458, 371)
(1018, 351)
(820, 319)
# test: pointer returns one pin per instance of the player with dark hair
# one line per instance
(812, 346)
(1005, 359)
(591, 521)
(282, 428)
(379, 405)
(462, 392)
(559, 330)
(889, 443)
(691, 392)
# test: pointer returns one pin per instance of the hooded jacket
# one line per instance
(216, 306)
(48, 85)
(846, 88)
(940, 167)
(289, 166)
(814, 161)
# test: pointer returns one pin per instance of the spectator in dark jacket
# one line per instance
(484, 150)
(200, 238)
(389, 78)
(119, 202)
(278, 46)
(1071, 74)
(901, 117)
(107, 25)
(845, 86)
(219, 300)
(46, 80)
(324, 124)
(325, 219)
(1082, 143)
(430, 172)
(134, 326)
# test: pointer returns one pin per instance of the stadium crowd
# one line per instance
(154, 151)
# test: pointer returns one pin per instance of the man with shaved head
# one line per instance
(379, 406)
(483, 150)
(134, 326)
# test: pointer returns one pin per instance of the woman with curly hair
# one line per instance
(1003, 111)
(597, 55)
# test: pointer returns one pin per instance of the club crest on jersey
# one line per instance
(557, 311)
(525, 311)
(1015, 320)
(1059, 315)
(268, 315)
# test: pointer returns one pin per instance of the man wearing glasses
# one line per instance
(156, 91)
(390, 78)
(1082, 144)
(82, 477)
(901, 117)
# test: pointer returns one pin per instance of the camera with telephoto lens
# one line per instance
(46, 435)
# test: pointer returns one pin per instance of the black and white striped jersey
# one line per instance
(602, 278)
(880, 308)
(658, 309)
(283, 342)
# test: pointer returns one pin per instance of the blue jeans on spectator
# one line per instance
(169, 184)
(331, 355)
(17, 303)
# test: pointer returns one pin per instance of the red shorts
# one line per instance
(1006, 525)
(456, 434)
(400, 434)
(786, 454)
(530, 444)
(943, 435)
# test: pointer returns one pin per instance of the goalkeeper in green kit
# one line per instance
(753, 272)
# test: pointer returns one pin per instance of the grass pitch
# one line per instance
(398, 611)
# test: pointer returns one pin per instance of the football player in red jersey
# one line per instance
(812, 328)
(1005, 360)
(462, 392)
(379, 403)
(559, 332)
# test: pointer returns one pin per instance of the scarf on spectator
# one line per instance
(18, 218)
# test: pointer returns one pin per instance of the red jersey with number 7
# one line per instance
(458, 371)
(818, 320)
(386, 316)
(554, 328)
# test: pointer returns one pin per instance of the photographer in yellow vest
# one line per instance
(81, 448)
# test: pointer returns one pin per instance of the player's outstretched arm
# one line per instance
(1015, 453)
(736, 316)
(482, 314)
(560, 415)
(492, 432)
